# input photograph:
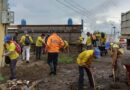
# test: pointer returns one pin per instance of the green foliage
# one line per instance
(65, 59)
(1, 78)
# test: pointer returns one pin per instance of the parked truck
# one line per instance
(125, 27)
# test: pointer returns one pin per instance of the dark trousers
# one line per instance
(13, 69)
(103, 50)
(94, 43)
(43, 49)
(38, 52)
(52, 61)
(81, 78)
(80, 48)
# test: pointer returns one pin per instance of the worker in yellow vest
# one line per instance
(80, 43)
(84, 62)
(89, 39)
(94, 40)
(98, 36)
(66, 46)
(12, 55)
(103, 39)
(26, 41)
(39, 45)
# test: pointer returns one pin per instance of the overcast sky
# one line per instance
(97, 14)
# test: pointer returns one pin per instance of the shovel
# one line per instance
(115, 84)
(114, 76)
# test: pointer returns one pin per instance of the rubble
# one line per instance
(19, 85)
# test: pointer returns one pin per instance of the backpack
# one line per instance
(27, 40)
(18, 48)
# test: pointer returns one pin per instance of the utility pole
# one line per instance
(114, 28)
(2, 34)
(6, 17)
(114, 34)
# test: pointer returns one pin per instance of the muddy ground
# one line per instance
(67, 76)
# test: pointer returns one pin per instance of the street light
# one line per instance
(114, 30)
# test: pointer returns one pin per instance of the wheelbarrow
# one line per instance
(127, 68)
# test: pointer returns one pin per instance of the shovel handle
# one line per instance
(114, 76)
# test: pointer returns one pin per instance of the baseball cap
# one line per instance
(7, 38)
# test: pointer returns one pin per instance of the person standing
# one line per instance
(89, 39)
(80, 44)
(98, 36)
(39, 45)
(94, 40)
(12, 54)
(66, 46)
(116, 53)
(46, 37)
(53, 46)
(15, 37)
(103, 39)
(26, 41)
(84, 63)
(102, 44)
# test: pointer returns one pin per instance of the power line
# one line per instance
(79, 6)
(84, 12)
(102, 5)
(70, 8)
(80, 10)
(87, 13)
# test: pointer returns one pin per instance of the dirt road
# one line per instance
(67, 77)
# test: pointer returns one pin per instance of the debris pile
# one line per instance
(19, 85)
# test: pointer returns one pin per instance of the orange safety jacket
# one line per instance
(54, 43)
